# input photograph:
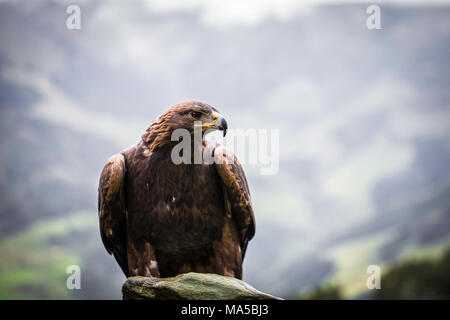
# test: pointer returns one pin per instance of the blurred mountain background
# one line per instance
(364, 119)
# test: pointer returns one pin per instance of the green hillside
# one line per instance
(34, 262)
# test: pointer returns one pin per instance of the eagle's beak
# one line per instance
(220, 122)
(217, 122)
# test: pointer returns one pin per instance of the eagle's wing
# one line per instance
(112, 209)
(237, 194)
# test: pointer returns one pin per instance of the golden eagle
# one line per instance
(161, 219)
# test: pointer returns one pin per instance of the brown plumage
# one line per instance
(161, 219)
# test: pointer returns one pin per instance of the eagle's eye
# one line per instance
(196, 115)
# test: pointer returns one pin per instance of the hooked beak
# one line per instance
(217, 122)
(220, 123)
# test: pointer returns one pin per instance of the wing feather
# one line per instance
(112, 209)
(237, 194)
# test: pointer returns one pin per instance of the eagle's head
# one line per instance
(185, 115)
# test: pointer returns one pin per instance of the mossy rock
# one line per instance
(191, 286)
